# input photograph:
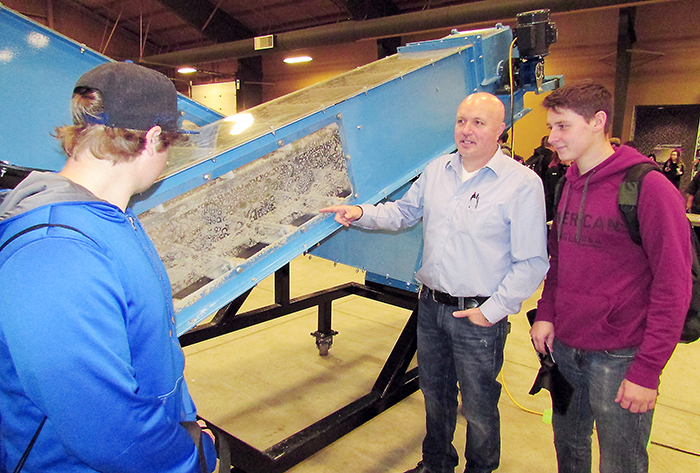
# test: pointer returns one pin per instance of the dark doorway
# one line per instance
(663, 127)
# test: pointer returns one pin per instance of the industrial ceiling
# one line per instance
(181, 31)
(173, 25)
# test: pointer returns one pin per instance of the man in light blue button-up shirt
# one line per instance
(484, 235)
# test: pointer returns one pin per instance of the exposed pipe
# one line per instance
(49, 13)
(626, 38)
(351, 31)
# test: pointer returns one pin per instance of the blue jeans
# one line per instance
(452, 350)
(622, 435)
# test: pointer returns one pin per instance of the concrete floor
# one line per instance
(264, 383)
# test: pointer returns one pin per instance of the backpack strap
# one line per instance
(628, 197)
(38, 226)
(195, 432)
(221, 445)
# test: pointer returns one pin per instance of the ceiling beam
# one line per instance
(214, 23)
(131, 31)
(367, 9)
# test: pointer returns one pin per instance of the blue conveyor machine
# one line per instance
(240, 200)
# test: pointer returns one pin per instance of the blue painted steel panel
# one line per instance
(39, 68)
(389, 258)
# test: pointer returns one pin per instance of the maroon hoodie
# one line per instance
(605, 292)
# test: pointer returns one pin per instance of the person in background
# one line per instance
(673, 168)
(505, 148)
(696, 163)
(91, 364)
(611, 310)
(484, 235)
(692, 201)
(541, 157)
(556, 170)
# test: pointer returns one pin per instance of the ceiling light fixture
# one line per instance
(296, 60)
(186, 70)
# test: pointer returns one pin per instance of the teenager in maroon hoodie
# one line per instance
(611, 310)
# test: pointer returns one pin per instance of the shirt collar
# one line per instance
(495, 164)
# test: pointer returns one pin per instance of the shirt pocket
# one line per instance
(482, 220)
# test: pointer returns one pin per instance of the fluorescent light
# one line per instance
(295, 60)
(186, 70)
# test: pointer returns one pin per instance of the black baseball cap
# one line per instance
(133, 96)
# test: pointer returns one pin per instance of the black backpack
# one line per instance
(627, 203)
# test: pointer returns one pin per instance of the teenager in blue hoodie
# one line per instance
(90, 362)
(611, 310)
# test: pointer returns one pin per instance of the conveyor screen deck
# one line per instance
(205, 234)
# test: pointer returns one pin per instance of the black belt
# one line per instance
(461, 302)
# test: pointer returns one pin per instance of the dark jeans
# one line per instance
(452, 350)
(622, 435)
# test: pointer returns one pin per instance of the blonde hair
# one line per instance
(103, 142)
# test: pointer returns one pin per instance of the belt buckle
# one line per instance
(470, 303)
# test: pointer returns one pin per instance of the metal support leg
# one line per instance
(393, 384)
(282, 285)
(324, 335)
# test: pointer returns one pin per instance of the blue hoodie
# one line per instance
(87, 339)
